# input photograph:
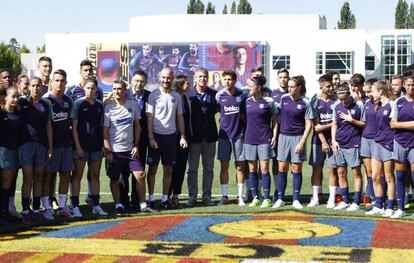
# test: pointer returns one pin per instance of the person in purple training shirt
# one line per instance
(259, 138)
(295, 118)
(348, 121)
(240, 61)
(402, 116)
(382, 161)
(232, 104)
(321, 142)
(189, 62)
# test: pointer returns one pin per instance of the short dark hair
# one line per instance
(6, 70)
(409, 70)
(229, 73)
(257, 69)
(259, 80)
(283, 70)
(343, 88)
(60, 72)
(300, 81)
(86, 62)
(45, 58)
(397, 76)
(92, 80)
(122, 83)
(357, 80)
(141, 73)
(326, 77)
(179, 82)
(371, 81)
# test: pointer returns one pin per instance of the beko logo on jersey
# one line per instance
(60, 116)
(325, 116)
(231, 109)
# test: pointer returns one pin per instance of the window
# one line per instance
(369, 62)
(341, 62)
(395, 54)
(282, 61)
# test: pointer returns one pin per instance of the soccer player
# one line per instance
(336, 79)
(87, 114)
(182, 86)
(296, 122)
(146, 61)
(217, 83)
(347, 125)
(22, 85)
(397, 85)
(172, 60)
(259, 138)
(232, 102)
(203, 107)
(321, 142)
(11, 123)
(240, 61)
(189, 62)
(357, 91)
(62, 140)
(45, 69)
(164, 116)
(6, 78)
(402, 120)
(36, 147)
(382, 162)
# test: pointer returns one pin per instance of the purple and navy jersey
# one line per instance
(11, 124)
(370, 129)
(293, 114)
(149, 65)
(348, 135)
(242, 80)
(259, 119)
(43, 90)
(385, 135)
(277, 95)
(323, 110)
(232, 110)
(218, 88)
(172, 62)
(76, 92)
(90, 124)
(61, 123)
(35, 116)
(402, 111)
(187, 62)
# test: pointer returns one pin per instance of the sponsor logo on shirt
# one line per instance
(60, 116)
(326, 116)
(231, 110)
(123, 122)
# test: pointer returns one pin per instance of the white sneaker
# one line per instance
(64, 212)
(279, 203)
(388, 213)
(48, 214)
(296, 204)
(375, 211)
(223, 201)
(98, 210)
(330, 204)
(341, 205)
(76, 212)
(240, 202)
(352, 208)
(398, 214)
(314, 202)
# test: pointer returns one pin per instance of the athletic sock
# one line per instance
(247, 183)
(45, 202)
(75, 201)
(239, 190)
(390, 203)
(379, 202)
(315, 192)
(332, 193)
(25, 203)
(357, 198)
(225, 190)
(253, 183)
(62, 200)
(281, 185)
(259, 185)
(164, 198)
(95, 200)
(36, 203)
(399, 185)
(345, 194)
(297, 185)
(152, 198)
(4, 200)
(143, 205)
(266, 185)
(369, 191)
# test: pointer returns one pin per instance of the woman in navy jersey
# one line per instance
(403, 122)
(259, 138)
(382, 148)
(36, 146)
(296, 121)
(11, 123)
(87, 114)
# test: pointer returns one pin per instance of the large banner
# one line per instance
(120, 60)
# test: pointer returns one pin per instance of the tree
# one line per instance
(9, 58)
(347, 19)
(411, 17)
(211, 9)
(401, 15)
(41, 49)
(199, 7)
(233, 9)
(14, 45)
(244, 7)
(191, 7)
(24, 49)
(224, 10)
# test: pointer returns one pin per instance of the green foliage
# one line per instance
(347, 19)
(401, 15)
(9, 58)
(233, 9)
(411, 16)
(211, 9)
(191, 7)
(24, 49)
(41, 49)
(244, 7)
(225, 10)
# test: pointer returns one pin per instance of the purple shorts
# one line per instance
(123, 164)
(167, 150)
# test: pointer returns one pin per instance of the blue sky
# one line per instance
(29, 21)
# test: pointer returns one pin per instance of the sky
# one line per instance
(29, 21)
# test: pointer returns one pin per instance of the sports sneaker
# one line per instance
(353, 207)
(152, 204)
(297, 205)
(148, 209)
(76, 212)
(175, 202)
(37, 216)
(207, 201)
(398, 214)
(388, 213)
(54, 203)
(375, 211)
(248, 198)
(266, 203)
(120, 211)
(26, 217)
(191, 201)
(255, 202)
(89, 200)
(279, 203)
(13, 212)
(224, 201)
(341, 205)
(330, 204)
(240, 202)
(165, 205)
(97, 210)
(48, 214)
(313, 203)
(64, 212)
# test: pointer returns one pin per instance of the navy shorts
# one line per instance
(89, 156)
(8, 159)
(167, 150)
(33, 154)
(62, 160)
(123, 163)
